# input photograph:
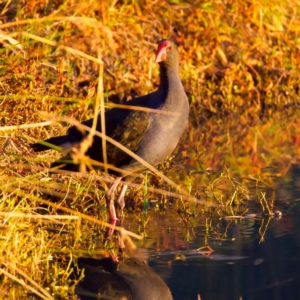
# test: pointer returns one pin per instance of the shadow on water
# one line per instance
(252, 259)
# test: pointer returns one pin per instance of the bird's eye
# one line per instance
(169, 48)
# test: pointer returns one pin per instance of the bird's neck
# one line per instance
(169, 78)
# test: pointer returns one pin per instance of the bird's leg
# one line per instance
(116, 214)
(120, 202)
(110, 197)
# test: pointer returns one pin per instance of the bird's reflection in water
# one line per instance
(130, 278)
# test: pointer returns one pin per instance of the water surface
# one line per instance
(252, 258)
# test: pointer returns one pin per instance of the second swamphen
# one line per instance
(151, 135)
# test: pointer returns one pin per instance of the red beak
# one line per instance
(161, 53)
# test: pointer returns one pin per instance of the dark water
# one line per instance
(257, 258)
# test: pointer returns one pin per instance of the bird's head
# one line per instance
(167, 52)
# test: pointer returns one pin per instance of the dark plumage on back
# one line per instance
(123, 125)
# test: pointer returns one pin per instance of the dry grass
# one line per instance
(239, 65)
